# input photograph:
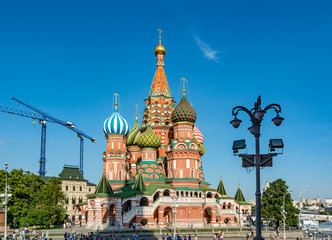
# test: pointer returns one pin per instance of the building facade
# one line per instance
(75, 188)
(153, 173)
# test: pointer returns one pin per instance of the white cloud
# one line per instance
(209, 53)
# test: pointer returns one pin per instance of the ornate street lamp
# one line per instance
(256, 115)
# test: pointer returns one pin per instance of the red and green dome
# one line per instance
(184, 112)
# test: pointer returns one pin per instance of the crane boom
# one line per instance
(69, 125)
(44, 117)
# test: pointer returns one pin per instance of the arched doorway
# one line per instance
(227, 221)
(168, 216)
(208, 215)
(144, 222)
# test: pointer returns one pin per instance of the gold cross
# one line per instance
(116, 100)
(159, 30)
(136, 106)
(184, 84)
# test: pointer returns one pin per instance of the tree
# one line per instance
(272, 202)
(32, 198)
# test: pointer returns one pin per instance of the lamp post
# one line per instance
(256, 115)
(6, 196)
(284, 213)
(175, 198)
(304, 190)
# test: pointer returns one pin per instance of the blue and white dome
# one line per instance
(116, 124)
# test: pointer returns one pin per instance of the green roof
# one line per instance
(70, 172)
(239, 196)
(140, 184)
(221, 188)
(103, 186)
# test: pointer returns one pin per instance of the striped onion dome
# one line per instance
(201, 149)
(148, 139)
(198, 135)
(184, 112)
(116, 124)
(134, 134)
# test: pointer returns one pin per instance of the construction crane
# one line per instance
(43, 118)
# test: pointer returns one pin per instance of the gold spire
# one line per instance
(220, 176)
(136, 111)
(239, 183)
(184, 85)
(116, 100)
(160, 48)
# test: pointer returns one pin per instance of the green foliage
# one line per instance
(272, 202)
(33, 201)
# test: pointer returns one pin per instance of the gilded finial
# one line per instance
(184, 85)
(159, 30)
(116, 100)
(220, 176)
(239, 183)
(266, 179)
(136, 106)
(160, 48)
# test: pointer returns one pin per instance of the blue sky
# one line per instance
(68, 58)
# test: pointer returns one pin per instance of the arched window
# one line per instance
(144, 201)
(186, 194)
(73, 188)
(126, 206)
(191, 194)
(224, 205)
(81, 189)
(196, 194)
(156, 196)
(216, 196)
(229, 205)
(200, 194)
(209, 195)
(181, 193)
(166, 193)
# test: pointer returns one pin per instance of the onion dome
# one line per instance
(201, 149)
(134, 134)
(148, 139)
(184, 112)
(116, 124)
(160, 49)
(198, 135)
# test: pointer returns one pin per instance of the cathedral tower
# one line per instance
(116, 166)
(159, 104)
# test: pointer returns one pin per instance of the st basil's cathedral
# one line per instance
(153, 173)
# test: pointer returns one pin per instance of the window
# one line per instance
(66, 188)
(188, 163)
(174, 164)
(119, 175)
(73, 188)
(89, 189)
(73, 201)
(67, 200)
(81, 189)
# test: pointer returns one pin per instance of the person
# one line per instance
(247, 236)
(185, 237)
(196, 238)
(134, 226)
(23, 234)
(189, 237)
(163, 236)
(215, 236)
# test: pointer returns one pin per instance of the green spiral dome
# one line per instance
(134, 134)
(148, 139)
